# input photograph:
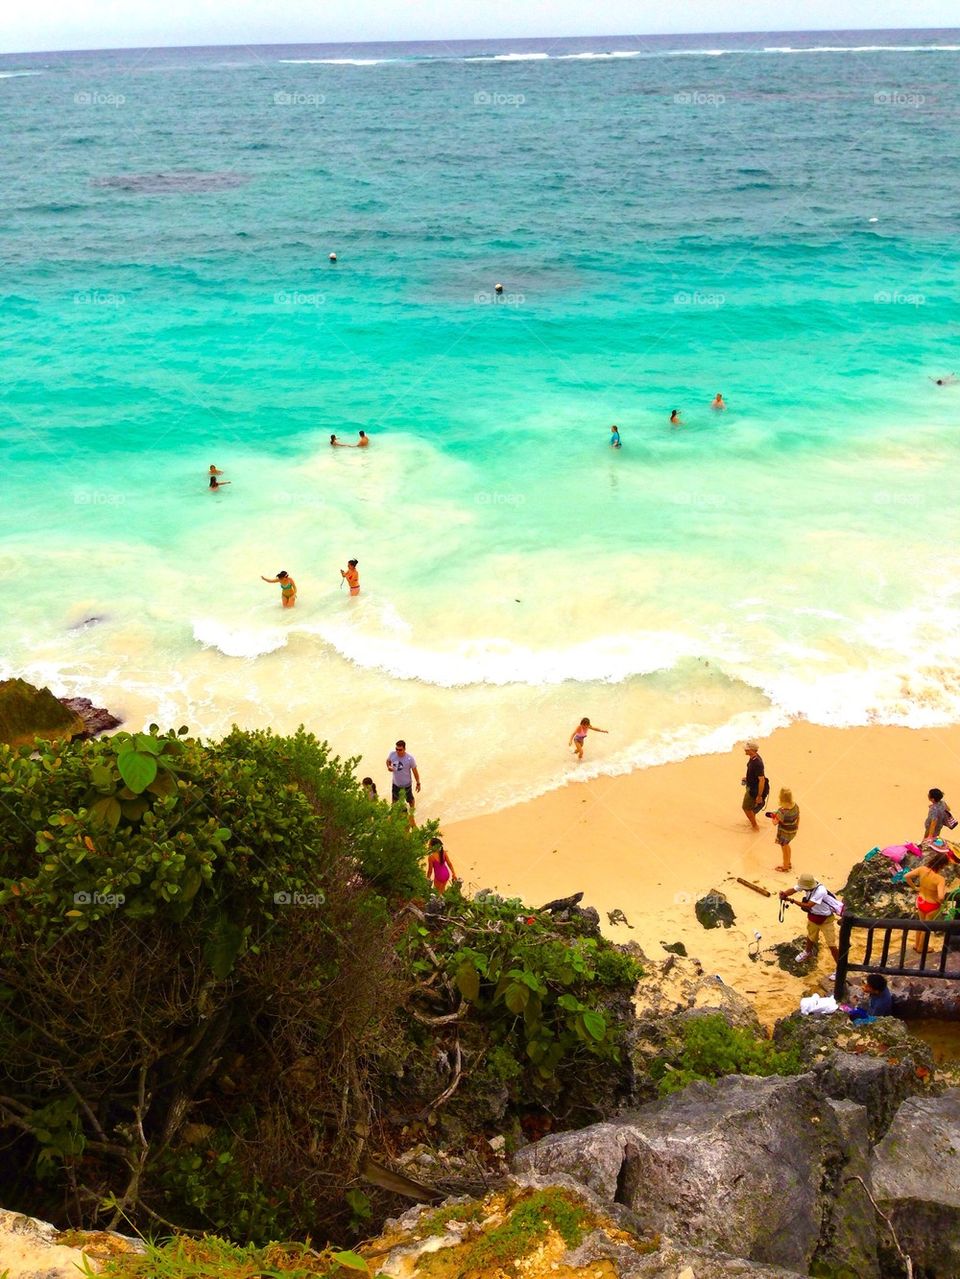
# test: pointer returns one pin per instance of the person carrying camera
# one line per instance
(821, 907)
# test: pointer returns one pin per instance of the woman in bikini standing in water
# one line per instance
(288, 587)
(440, 870)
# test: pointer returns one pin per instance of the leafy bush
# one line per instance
(198, 975)
(540, 995)
(711, 1048)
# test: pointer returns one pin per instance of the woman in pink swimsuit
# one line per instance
(440, 870)
(579, 736)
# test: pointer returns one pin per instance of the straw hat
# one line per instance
(806, 881)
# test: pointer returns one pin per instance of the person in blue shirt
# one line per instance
(877, 1001)
(615, 437)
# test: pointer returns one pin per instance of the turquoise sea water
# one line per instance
(774, 217)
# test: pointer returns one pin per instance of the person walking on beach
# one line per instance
(931, 888)
(351, 576)
(675, 419)
(615, 437)
(756, 785)
(403, 767)
(288, 587)
(440, 870)
(821, 907)
(937, 815)
(717, 402)
(786, 820)
(579, 736)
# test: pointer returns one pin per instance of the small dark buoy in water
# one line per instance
(498, 288)
(333, 257)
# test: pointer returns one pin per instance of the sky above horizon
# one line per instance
(100, 24)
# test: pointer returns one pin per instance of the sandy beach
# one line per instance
(653, 842)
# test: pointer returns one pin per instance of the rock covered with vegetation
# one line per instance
(226, 1003)
(28, 713)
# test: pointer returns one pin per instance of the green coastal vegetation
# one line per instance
(227, 1001)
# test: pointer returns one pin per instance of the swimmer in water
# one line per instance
(615, 437)
(338, 444)
(288, 587)
(949, 380)
(364, 441)
(675, 419)
(217, 484)
(717, 402)
(579, 736)
(351, 577)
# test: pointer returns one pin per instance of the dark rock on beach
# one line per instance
(714, 910)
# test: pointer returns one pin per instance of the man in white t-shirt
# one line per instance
(821, 908)
(403, 767)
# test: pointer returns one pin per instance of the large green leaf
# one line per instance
(106, 811)
(594, 1023)
(223, 947)
(137, 769)
(352, 1261)
(516, 996)
(468, 981)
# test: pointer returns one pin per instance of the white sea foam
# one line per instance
(235, 641)
(15, 75)
(509, 57)
(586, 57)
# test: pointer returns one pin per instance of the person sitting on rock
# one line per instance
(876, 1000)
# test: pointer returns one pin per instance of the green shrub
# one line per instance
(711, 1048)
(193, 936)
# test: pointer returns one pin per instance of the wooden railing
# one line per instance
(882, 935)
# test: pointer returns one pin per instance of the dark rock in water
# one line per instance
(94, 620)
(28, 714)
(182, 182)
(675, 948)
(95, 719)
(714, 910)
(916, 1182)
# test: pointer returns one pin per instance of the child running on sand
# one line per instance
(440, 870)
(579, 736)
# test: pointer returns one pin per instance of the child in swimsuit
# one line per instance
(288, 587)
(675, 419)
(440, 870)
(579, 736)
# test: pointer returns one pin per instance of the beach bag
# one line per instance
(761, 801)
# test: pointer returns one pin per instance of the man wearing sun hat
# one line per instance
(821, 907)
(756, 785)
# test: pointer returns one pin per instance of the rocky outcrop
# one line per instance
(543, 1228)
(95, 719)
(714, 911)
(745, 1166)
(916, 1182)
(28, 713)
(878, 1066)
(31, 1249)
